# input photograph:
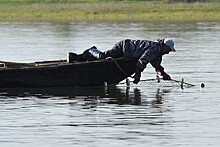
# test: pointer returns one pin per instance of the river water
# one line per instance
(113, 116)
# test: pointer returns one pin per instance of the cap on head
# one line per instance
(169, 42)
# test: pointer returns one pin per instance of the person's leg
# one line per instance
(71, 57)
(115, 52)
(88, 55)
(92, 53)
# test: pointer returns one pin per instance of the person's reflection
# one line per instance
(159, 97)
(132, 98)
(137, 96)
(128, 96)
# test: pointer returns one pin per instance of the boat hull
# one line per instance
(92, 73)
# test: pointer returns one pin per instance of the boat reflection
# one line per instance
(94, 95)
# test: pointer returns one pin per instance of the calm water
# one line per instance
(113, 116)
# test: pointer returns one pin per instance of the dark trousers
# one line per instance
(93, 53)
(115, 52)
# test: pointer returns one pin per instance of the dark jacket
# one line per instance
(147, 52)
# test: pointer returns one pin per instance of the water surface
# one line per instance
(113, 116)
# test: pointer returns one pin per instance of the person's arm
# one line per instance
(148, 56)
(137, 76)
(156, 63)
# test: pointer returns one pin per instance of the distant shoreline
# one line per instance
(112, 12)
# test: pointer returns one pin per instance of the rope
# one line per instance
(119, 67)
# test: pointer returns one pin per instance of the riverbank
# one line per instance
(118, 11)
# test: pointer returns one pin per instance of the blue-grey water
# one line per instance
(113, 116)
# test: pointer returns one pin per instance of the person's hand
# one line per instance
(164, 75)
(137, 76)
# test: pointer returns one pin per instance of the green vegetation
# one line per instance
(103, 10)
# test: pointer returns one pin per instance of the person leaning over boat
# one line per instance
(144, 50)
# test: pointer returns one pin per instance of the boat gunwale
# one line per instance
(57, 63)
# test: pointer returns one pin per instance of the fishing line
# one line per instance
(151, 82)
(157, 82)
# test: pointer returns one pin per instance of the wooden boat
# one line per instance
(63, 74)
